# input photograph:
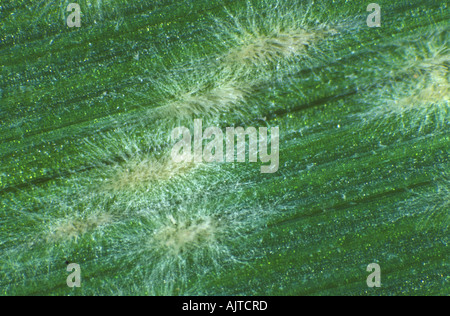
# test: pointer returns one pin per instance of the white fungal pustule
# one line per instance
(139, 172)
(433, 57)
(268, 32)
(71, 229)
(176, 240)
(259, 49)
(209, 103)
(184, 235)
(177, 245)
(433, 90)
(418, 95)
(431, 73)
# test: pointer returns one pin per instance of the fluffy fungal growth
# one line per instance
(418, 96)
(415, 106)
(70, 229)
(431, 57)
(432, 207)
(258, 49)
(209, 103)
(139, 172)
(249, 47)
(428, 94)
(185, 234)
(73, 212)
(194, 89)
(439, 212)
(173, 243)
(271, 32)
(127, 162)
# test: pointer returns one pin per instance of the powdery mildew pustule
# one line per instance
(139, 172)
(71, 229)
(420, 92)
(184, 235)
(432, 57)
(175, 242)
(272, 32)
(416, 104)
(258, 49)
(432, 90)
(126, 161)
(221, 99)
(179, 244)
